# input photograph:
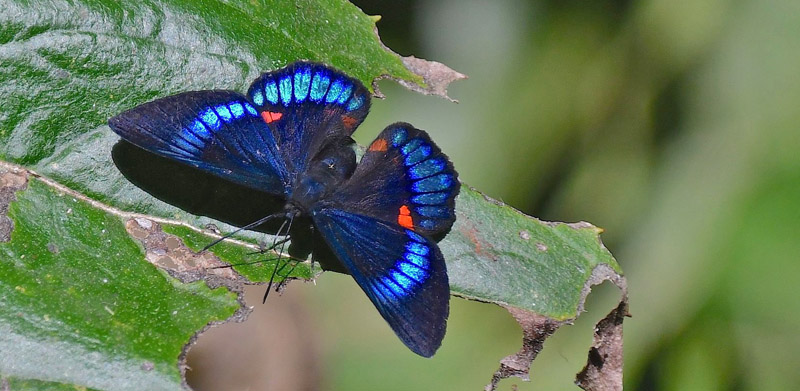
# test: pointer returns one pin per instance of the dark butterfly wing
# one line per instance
(378, 223)
(216, 131)
(306, 105)
(402, 272)
(404, 178)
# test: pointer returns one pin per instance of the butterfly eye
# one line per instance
(330, 162)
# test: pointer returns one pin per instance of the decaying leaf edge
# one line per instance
(595, 376)
(435, 76)
(603, 370)
(231, 280)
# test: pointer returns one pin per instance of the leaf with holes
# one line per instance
(101, 284)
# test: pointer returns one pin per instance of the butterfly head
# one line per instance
(330, 167)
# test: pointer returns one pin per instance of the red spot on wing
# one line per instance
(379, 145)
(349, 122)
(404, 218)
(271, 116)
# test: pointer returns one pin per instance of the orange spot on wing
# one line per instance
(404, 218)
(270, 116)
(379, 145)
(349, 121)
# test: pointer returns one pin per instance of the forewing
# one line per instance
(402, 272)
(404, 178)
(216, 131)
(307, 104)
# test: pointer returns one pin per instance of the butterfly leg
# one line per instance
(264, 248)
(275, 270)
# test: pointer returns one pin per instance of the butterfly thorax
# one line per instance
(330, 167)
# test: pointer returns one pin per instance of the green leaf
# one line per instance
(497, 254)
(80, 307)
(11, 383)
(77, 275)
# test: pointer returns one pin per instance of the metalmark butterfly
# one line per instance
(290, 136)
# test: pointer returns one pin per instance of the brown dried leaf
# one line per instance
(535, 329)
(603, 370)
(437, 77)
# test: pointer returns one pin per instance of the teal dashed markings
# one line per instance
(250, 109)
(417, 259)
(411, 146)
(433, 211)
(430, 198)
(271, 92)
(395, 289)
(427, 168)
(418, 155)
(237, 109)
(417, 248)
(402, 279)
(415, 236)
(209, 117)
(412, 271)
(399, 137)
(334, 92)
(258, 97)
(355, 103)
(319, 86)
(200, 130)
(285, 86)
(224, 113)
(348, 89)
(432, 184)
(302, 80)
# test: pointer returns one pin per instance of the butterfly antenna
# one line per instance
(282, 241)
(248, 226)
(275, 270)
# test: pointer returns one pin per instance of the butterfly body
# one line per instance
(325, 173)
(290, 136)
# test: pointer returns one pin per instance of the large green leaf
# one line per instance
(80, 307)
(497, 254)
(77, 274)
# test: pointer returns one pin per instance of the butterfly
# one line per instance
(290, 136)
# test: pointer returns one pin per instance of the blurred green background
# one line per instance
(674, 125)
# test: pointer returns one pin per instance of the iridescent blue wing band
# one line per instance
(404, 178)
(306, 104)
(217, 131)
(402, 272)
